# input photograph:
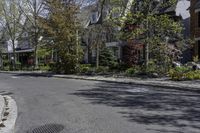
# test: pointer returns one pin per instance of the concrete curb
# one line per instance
(2, 107)
(165, 84)
(152, 82)
(9, 115)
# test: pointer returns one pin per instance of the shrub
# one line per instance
(53, 67)
(122, 67)
(6, 62)
(107, 58)
(6, 68)
(151, 67)
(182, 69)
(131, 71)
(18, 65)
(102, 69)
(196, 59)
(45, 68)
(175, 75)
(184, 73)
(84, 69)
(192, 75)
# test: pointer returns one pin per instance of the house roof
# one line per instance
(25, 50)
(166, 10)
(197, 5)
(21, 51)
(84, 15)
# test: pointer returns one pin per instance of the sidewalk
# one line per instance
(2, 106)
(8, 114)
(156, 82)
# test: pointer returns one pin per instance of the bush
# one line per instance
(151, 67)
(6, 62)
(192, 75)
(131, 71)
(84, 68)
(18, 65)
(184, 73)
(6, 68)
(102, 69)
(122, 67)
(53, 67)
(175, 75)
(182, 69)
(45, 68)
(107, 58)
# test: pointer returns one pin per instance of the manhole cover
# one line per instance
(48, 128)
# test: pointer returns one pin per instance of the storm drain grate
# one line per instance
(48, 128)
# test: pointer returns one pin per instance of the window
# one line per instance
(198, 48)
(198, 19)
(94, 17)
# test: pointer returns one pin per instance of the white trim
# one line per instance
(197, 39)
(197, 10)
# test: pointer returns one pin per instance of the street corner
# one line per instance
(8, 108)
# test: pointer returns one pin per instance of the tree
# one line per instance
(107, 58)
(2, 39)
(141, 20)
(61, 27)
(96, 39)
(100, 31)
(11, 19)
(33, 9)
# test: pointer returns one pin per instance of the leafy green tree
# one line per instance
(101, 31)
(61, 26)
(107, 57)
(11, 20)
(32, 10)
(1, 46)
(141, 20)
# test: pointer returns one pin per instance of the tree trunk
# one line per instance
(146, 55)
(36, 58)
(77, 44)
(147, 47)
(14, 56)
(1, 61)
(97, 58)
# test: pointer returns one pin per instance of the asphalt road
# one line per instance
(52, 105)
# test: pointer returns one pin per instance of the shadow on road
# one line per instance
(34, 74)
(158, 107)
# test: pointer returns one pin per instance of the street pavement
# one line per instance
(56, 105)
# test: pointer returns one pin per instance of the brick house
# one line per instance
(195, 26)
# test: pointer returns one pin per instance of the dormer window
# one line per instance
(94, 17)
